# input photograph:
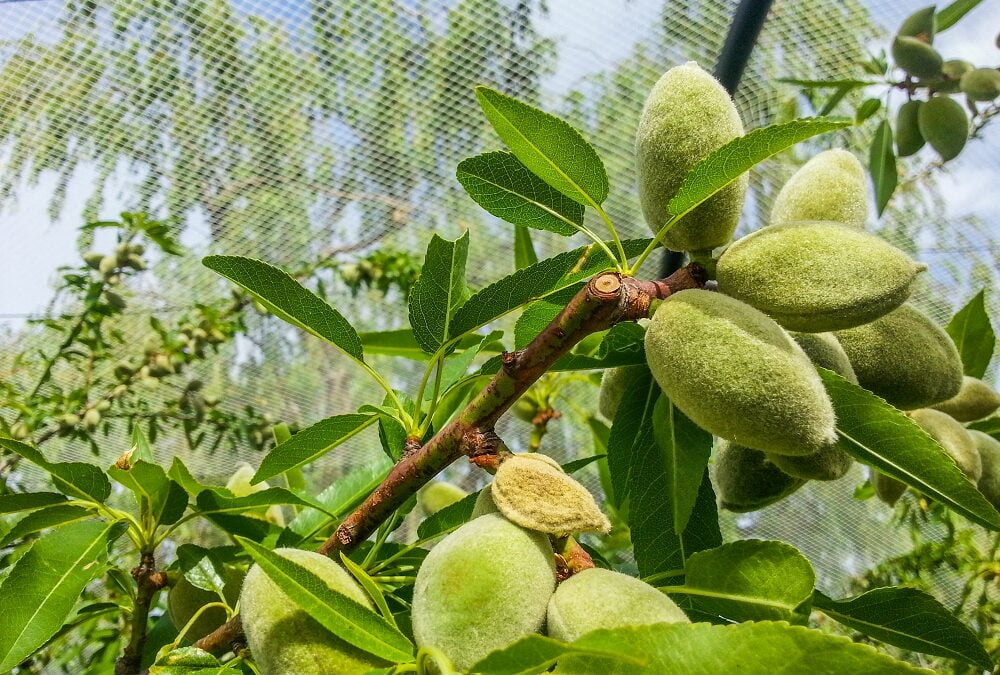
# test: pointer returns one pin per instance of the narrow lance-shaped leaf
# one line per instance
(910, 619)
(524, 249)
(289, 300)
(502, 185)
(882, 166)
(439, 291)
(43, 519)
(27, 501)
(972, 333)
(76, 479)
(311, 443)
(953, 13)
(875, 433)
(551, 148)
(685, 449)
(537, 654)
(342, 616)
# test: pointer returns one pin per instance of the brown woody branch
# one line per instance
(607, 299)
(148, 582)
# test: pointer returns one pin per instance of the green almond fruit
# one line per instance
(239, 485)
(614, 382)
(737, 374)
(974, 401)
(916, 57)
(284, 638)
(830, 186)
(954, 438)
(746, 480)
(817, 276)
(185, 599)
(825, 351)
(945, 126)
(484, 586)
(438, 495)
(989, 453)
(830, 463)
(887, 488)
(909, 140)
(981, 84)
(954, 69)
(921, 24)
(905, 358)
(93, 259)
(687, 116)
(598, 598)
(484, 503)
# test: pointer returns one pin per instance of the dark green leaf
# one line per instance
(76, 479)
(868, 108)
(524, 249)
(449, 518)
(164, 499)
(26, 501)
(537, 653)
(289, 300)
(972, 333)
(401, 342)
(345, 618)
(832, 101)
(826, 84)
(552, 149)
(990, 426)
(342, 495)
(311, 443)
(439, 291)
(951, 14)
(909, 619)
(577, 464)
(214, 501)
(502, 185)
(882, 166)
(684, 449)
(875, 433)
(43, 519)
(202, 567)
(371, 588)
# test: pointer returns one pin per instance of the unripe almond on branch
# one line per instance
(599, 598)
(830, 463)
(981, 84)
(905, 358)
(989, 453)
(484, 503)
(614, 382)
(284, 639)
(746, 480)
(887, 488)
(916, 57)
(185, 599)
(921, 24)
(538, 496)
(687, 116)
(239, 485)
(737, 374)
(438, 495)
(825, 351)
(817, 276)
(830, 186)
(954, 438)
(484, 586)
(909, 140)
(974, 401)
(945, 126)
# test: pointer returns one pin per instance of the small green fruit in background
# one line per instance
(746, 480)
(830, 186)
(916, 57)
(830, 463)
(981, 84)
(284, 639)
(909, 140)
(107, 265)
(817, 276)
(93, 259)
(438, 495)
(737, 374)
(687, 116)
(239, 485)
(974, 401)
(185, 599)
(614, 381)
(525, 409)
(484, 503)
(954, 69)
(91, 419)
(887, 488)
(484, 586)
(945, 126)
(922, 24)
(824, 350)
(989, 453)
(954, 438)
(538, 496)
(599, 598)
(905, 358)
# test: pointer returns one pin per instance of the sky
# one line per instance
(591, 34)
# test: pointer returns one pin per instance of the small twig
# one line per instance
(148, 582)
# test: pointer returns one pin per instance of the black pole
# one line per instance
(740, 41)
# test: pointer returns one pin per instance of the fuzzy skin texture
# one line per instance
(284, 639)
(830, 463)
(438, 495)
(613, 384)
(599, 598)
(537, 496)
(981, 84)
(484, 586)
(484, 503)
(737, 374)
(687, 116)
(954, 438)
(830, 186)
(817, 276)
(239, 485)
(974, 401)
(909, 140)
(905, 358)
(824, 350)
(921, 23)
(887, 488)
(184, 599)
(945, 126)
(916, 57)
(989, 453)
(746, 480)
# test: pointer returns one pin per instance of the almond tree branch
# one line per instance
(607, 299)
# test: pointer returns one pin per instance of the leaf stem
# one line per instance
(623, 257)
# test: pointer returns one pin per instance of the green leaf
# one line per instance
(202, 567)
(502, 185)
(401, 342)
(539, 314)
(447, 519)
(371, 588)
(552, 149)
(289, 300)
(43, 519)
(439, 291)
(342, 495)
(537, 281)
(826, 84)
(577, 464)
(345, 618)
(141, 449)
(311, 443)
(749, 580)
(736, 157)
(910, 619)
(951, 14)
(868, 108)
(882, 166)
(524, 249)
(182, 475)
(46, 583)
(76, 479)
(685, 449)
(27, 501)
(972, 333)
(875, 433)
(164, 499)
(214, 501)
(537, 653)
(990, 426)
